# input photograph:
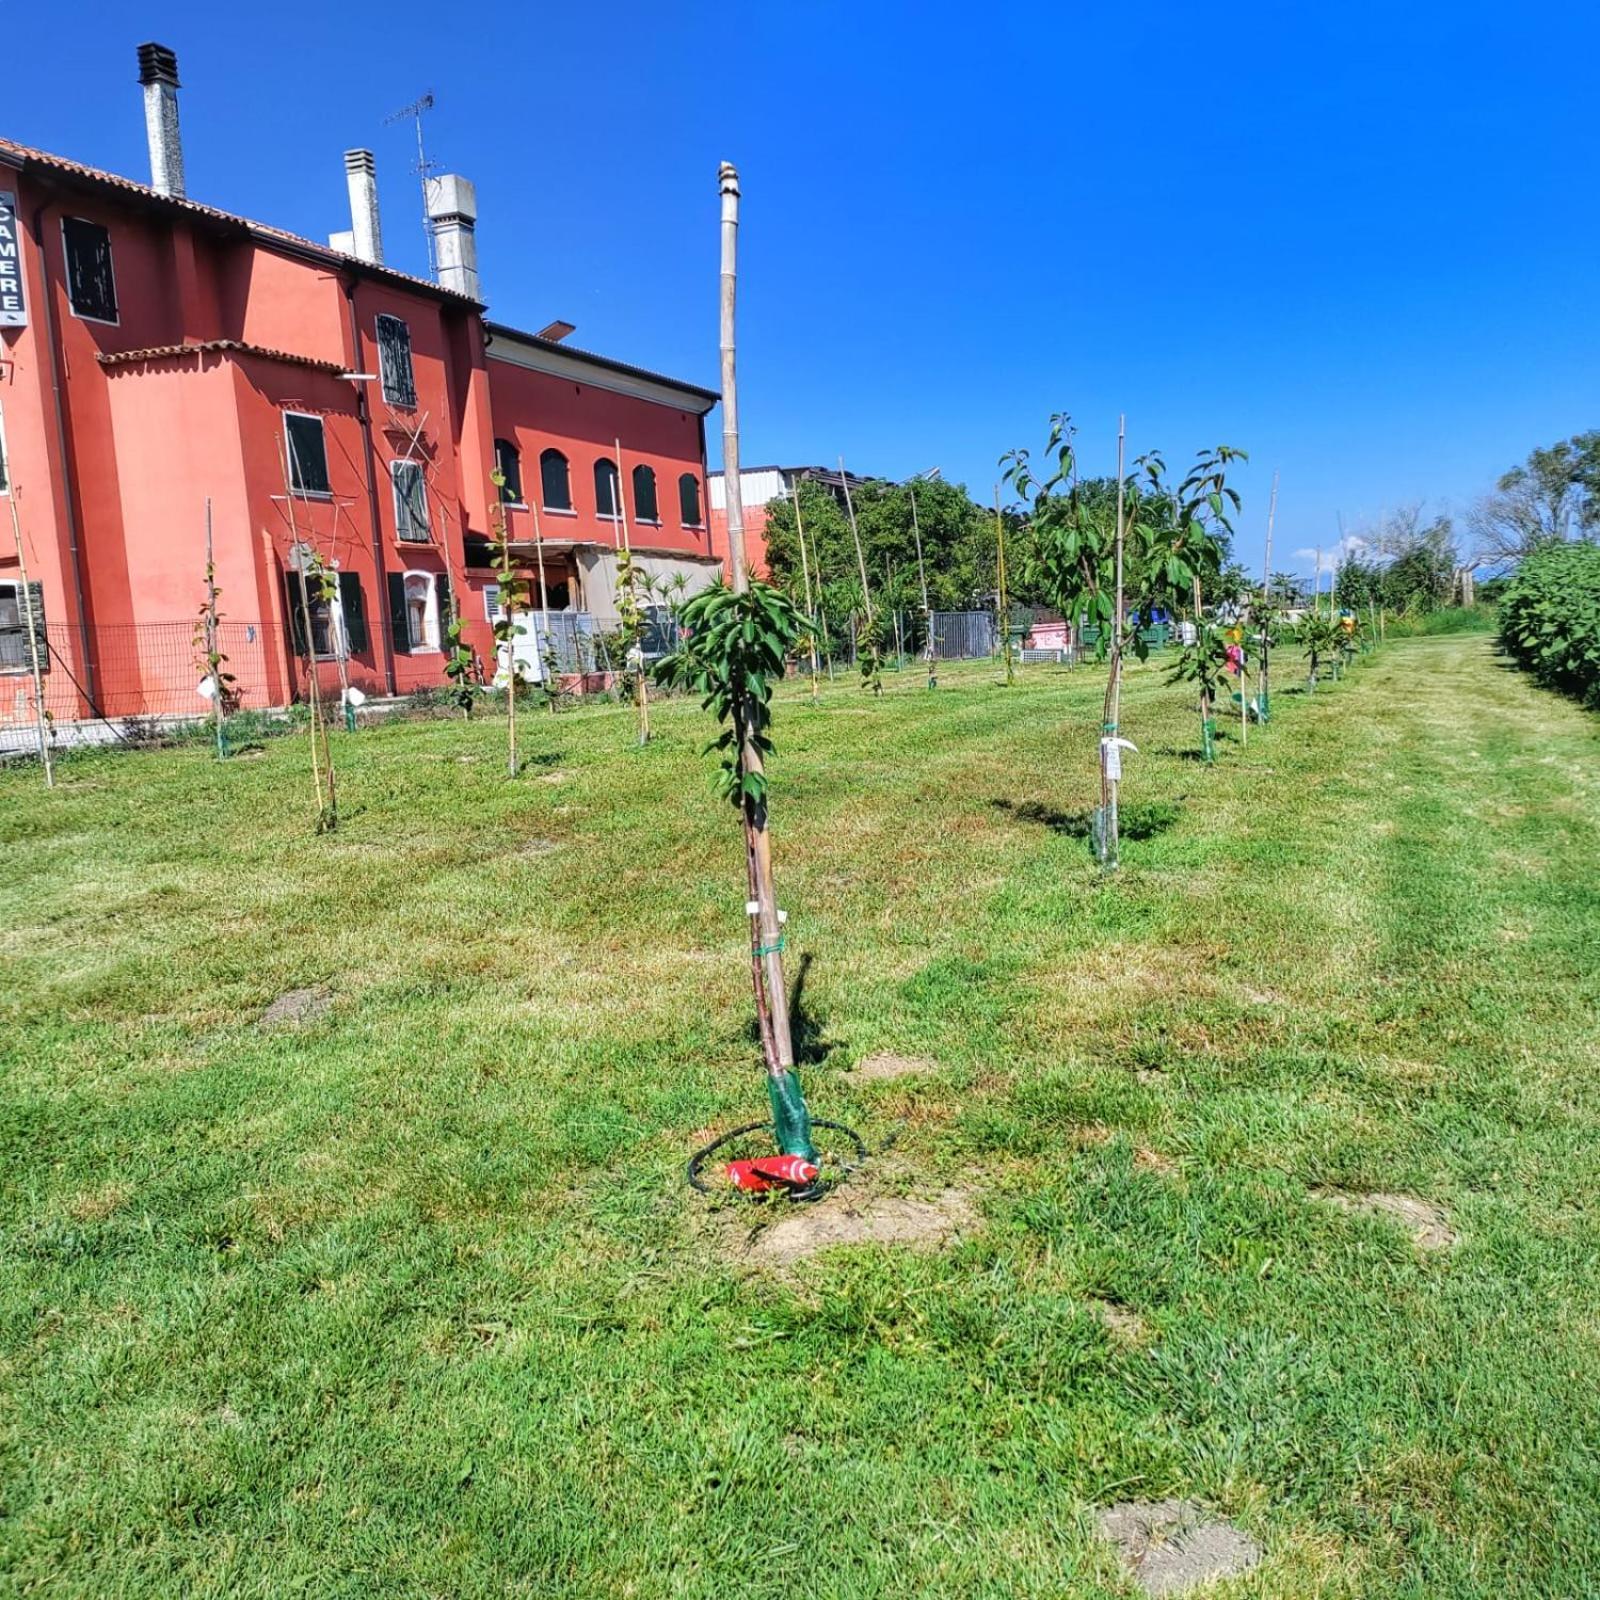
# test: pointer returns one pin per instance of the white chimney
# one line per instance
(361, 173)
(453, 211)
(158, 72)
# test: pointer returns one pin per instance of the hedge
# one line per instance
(1550, 619)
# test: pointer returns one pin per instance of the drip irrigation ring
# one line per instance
(812, 1191)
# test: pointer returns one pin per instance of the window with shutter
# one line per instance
(91, 283)
(394, 362)
(421, 597)
(399, 626)
(644, 495)
(605, 488)
(16, 607)
(410, 501)
(555, 482)
(308, 454)
(689, 500)
(354, 606)
(509, 465)
(322, 610)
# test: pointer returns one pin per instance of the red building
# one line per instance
(158, 356)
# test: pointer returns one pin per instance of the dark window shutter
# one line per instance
(447, 611)
(91, 285)
(40, 636)
(355, 613)
(689, 500)
(398, 623)
(292, 585)
(554, 481)
(644, 495)
(605, 487)
(509, 464)
(394, 362)
(308, 453)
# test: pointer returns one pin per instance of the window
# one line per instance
(644, 495)
(410, 501)
(308, 454)
(394, 362)
(91, 285)
(338, 619)
(605, 488)
(509, 465)
(15, 607)
(555, 484)
(419, 610)
(689, 500)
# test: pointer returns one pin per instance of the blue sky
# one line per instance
(1359, 241)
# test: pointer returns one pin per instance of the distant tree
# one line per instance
(1359, 581)
(1552, 497)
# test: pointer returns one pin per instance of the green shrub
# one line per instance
(1448, 619)
(1550, 619)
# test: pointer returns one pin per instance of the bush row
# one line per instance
(1550, 619)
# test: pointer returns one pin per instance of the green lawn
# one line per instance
(412, 1300)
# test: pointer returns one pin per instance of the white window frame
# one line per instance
(411, 361)
(289, 456)
(111, 257)
(492, 609)
(396, 468)
(430, 615)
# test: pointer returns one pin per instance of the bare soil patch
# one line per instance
(885, 1065)
(1173, 1546)
(1426, 1223)
(1122, 1322)
(916, 1224)
(294, 1007)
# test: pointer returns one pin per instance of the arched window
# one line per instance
(509, 465)
(555, 484)
(606, 502)
(644, 495)
(689, 500)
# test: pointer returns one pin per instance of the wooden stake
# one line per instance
(1000, 580)
(327, 809)
(1263, 677)
(1111, 713)
(928, 651)
(34, 664)
(805, 571)
(211, 638)
(641, 695)
(855, 533)
(766, 932)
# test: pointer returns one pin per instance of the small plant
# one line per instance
(631, 641)
(515, 596)
(461, 668)
(1207, 663)
(1319, 640)
(211, 661)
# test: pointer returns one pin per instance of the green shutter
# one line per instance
(399, 626)
(355, 613)
(41, 637)
(447, 610)
(292, 586)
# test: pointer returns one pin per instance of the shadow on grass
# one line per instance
(1133, 822)
(807, 1032)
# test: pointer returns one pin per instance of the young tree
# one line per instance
(515, 597)
(223, 688)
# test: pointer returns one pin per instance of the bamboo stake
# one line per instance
(641, 696)
(805, 571)
(1111, 714)
(34, 665)
(211, 638)
(766, 932)
(922, 577)
(1263, 674)
(539, 652)
(855, 533)
(1000, 579)
(327, 810)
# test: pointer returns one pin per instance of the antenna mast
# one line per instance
(423, 167)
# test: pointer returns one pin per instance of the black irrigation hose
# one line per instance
(93, 704)
(814, 1191)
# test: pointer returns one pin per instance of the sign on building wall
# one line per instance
(13, 308)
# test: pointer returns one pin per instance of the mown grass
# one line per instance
(412, 1300)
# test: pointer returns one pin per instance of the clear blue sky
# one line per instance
(1362, 241)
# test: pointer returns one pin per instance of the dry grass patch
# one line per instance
(1422, 1219)
(853, 1218)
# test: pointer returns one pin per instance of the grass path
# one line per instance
(410, 1300)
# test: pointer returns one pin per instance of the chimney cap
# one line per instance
(452, 196)
(158, 64)
(359, 161)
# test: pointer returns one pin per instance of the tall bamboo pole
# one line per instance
(641, 696)
(1111, 713)
(1263, 670)
(922, 578)
(805, 572)
(34, 664)
(327, 809)
(1000, 582)
(212, 660)
(855, 533)
(766, 932)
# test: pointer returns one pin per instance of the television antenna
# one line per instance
(423, 167)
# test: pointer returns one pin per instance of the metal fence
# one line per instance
(963, 635)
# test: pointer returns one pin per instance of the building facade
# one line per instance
(760, 488)
(165, 366)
